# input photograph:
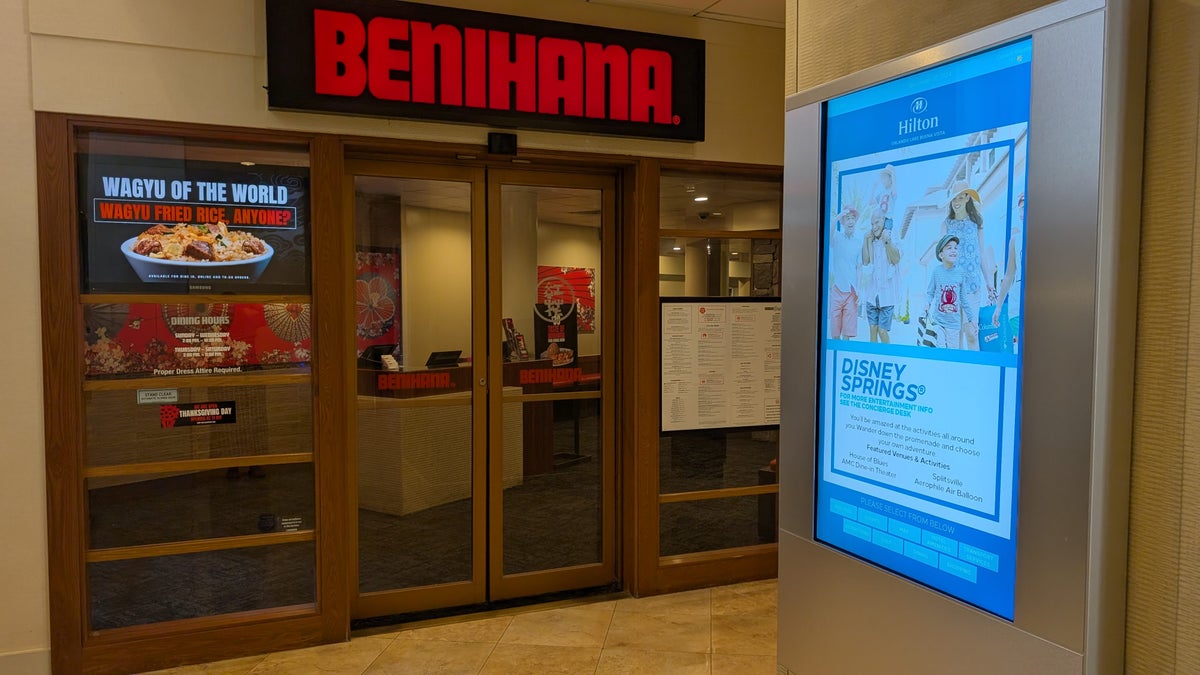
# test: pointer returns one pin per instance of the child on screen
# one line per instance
(948, 305)
(883, 195)
(881, 277)
(845, 259)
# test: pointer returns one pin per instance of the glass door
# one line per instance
(551, 505)
(484, 431)
(419, 368)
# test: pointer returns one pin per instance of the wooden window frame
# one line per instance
(656, 573)
(74, 648)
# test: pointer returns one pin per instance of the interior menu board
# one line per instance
(154, 225)
(920, 371)
(720, 363)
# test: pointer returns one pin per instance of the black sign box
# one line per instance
(402, 59)
(195, 414)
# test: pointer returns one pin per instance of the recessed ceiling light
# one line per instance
(733, 253)
(247, 163)
(677, 248)
(700, 199)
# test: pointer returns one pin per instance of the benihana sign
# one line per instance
(400, 59)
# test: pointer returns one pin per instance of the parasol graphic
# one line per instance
(571, 286)
(374, 305)
(103, 320)
(291, 321)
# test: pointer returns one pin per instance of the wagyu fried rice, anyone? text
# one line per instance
(200, 243)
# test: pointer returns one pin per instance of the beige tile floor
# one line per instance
(724, 630)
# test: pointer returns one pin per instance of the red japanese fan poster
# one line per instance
(570, 285)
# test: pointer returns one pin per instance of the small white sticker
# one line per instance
(291, 524)
(156, 396)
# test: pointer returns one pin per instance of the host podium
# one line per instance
(416, 455)
(412, 458)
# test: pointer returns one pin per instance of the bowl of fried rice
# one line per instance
(196, 253)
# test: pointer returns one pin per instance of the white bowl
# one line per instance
(155, 270)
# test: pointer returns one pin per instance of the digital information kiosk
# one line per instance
(959, 234)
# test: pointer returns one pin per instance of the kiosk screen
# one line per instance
(921, 341)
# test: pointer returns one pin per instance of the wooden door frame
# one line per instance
(473, 591)
(582, 576)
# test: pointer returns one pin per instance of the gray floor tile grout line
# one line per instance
(710, 631)
(496, 645)
(600, 656)
(381, 651)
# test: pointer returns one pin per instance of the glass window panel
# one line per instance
(422, 548)
(414, 492)
(692, 201)
(151, 590)
(554, 518)
(412, 272)
(252, 499)
(413, 331)
(714, 459)
(553, 313)
(163, 215)
(263, 419)
(718, 265)
(717, 268)
(714, 524)
(552, 264)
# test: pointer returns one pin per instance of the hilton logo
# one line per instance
(914, 124)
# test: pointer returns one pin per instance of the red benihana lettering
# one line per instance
(419, 62)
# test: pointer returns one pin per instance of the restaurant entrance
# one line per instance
(484, 428)
(399, 396)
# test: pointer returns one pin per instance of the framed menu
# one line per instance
(720, 363)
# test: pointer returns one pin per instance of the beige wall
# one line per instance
(435, 284)
(1163, 617)
(827, 40)
(205, 63)
(518, 262)
(24, 624)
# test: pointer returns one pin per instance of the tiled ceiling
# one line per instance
(566, 206)
(679, 209)
(678, 205)
(757, 12)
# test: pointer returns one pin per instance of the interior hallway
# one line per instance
(724, 630)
